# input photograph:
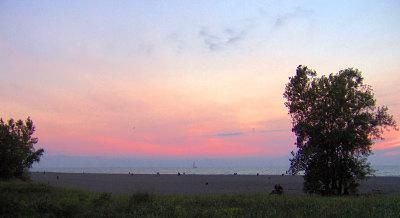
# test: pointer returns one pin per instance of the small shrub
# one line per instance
(140, 198)
(103, 200)
(232, 211)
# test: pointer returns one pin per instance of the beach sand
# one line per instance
(197, 184)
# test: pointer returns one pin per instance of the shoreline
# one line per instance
(182, 174)
(380, 170)
(197, 184)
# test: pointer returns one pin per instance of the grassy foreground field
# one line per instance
(36, 200)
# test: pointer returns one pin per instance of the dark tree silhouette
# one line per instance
(336, 120)
(17, 153)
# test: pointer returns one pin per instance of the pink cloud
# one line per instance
(391, 140)
(161, 144)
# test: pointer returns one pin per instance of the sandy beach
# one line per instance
(196, 184)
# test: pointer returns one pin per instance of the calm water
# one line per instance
(380, 170)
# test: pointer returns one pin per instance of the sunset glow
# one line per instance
(184, 78)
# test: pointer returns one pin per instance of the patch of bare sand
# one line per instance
(197, 184)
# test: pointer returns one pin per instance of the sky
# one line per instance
(185, 79)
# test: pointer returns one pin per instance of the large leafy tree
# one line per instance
(336, 120)
(17, 153)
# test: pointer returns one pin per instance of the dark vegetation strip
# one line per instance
(21, 199)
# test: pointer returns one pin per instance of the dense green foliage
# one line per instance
(38, 200)
(336, 120)
(17, 153)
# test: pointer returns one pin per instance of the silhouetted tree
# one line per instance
(17, 153)
(336, 121)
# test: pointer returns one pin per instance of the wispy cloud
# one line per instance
(284, 19)
(252, 131)
(176, 41)
(217, 40)
(226, 134)
(273, 130)
(392, 153)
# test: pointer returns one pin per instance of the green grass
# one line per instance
(18, 199)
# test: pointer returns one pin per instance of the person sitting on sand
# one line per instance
(278, 190)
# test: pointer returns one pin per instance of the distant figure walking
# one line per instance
(57, 177)
(179, 174)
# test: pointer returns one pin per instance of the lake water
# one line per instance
(380, 170)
